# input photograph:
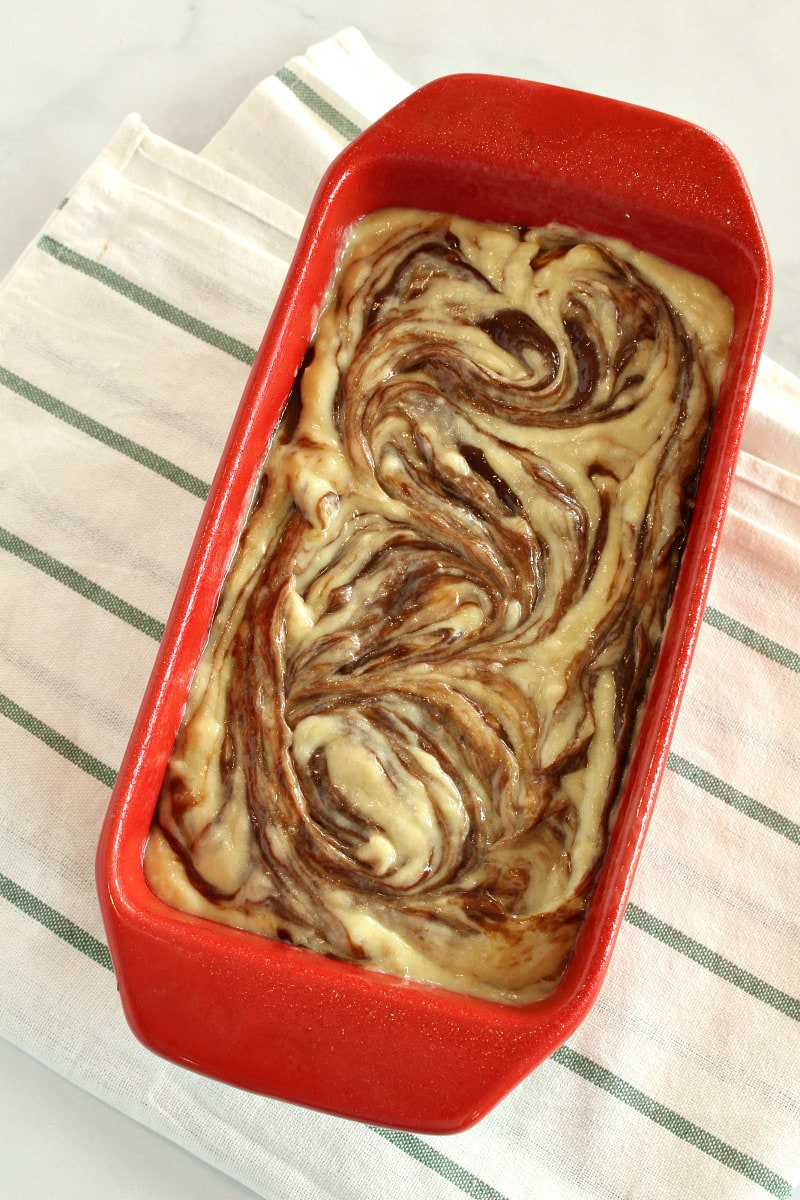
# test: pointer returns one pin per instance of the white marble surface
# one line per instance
(71, 72)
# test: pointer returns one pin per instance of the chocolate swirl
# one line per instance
(413, 718)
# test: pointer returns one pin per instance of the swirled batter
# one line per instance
(405, 739)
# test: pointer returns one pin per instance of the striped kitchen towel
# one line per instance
(126, 333)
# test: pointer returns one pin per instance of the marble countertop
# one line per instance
(72, 72)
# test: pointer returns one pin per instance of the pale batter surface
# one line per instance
(406, 737)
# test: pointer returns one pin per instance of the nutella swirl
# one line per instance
(406, 737)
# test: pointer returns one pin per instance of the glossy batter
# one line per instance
(406, 737)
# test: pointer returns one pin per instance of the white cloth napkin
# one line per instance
(126, 331)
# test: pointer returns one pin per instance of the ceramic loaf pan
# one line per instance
(289, 1023)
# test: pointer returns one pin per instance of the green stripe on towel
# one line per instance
(102, 433)
(754, 809)
(753, 639)
(420, 1150)
(667, 1118)
(704, 956)
(81, 584)
(149, 300)
(55, 921)
(322, 108)
(57, 742)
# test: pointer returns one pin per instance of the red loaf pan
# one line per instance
(289, 1023)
